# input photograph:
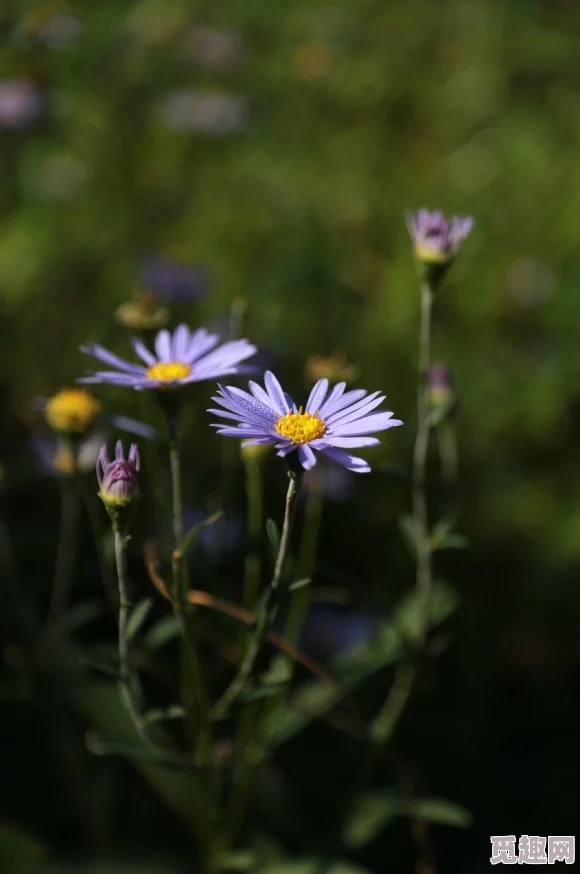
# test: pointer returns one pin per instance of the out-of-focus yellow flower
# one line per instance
(255, 451)
(313, 60)
(332, 367)
(142, 313)
(72, 410)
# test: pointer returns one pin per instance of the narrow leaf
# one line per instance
(299, 584)
(273, 536)
(162, 632)
(175, 711)
(137, 617)
(189, 539)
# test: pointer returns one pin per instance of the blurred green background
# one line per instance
(273, 149)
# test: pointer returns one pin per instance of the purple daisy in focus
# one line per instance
(330, 423)
(180, 358)
(436, 239)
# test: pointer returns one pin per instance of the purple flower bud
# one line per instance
(440, 385)
(118, 479)
(437, 240)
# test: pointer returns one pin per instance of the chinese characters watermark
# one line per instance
(532, 849)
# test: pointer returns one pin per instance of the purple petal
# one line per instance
(163, 346)
(351, 462)
(306, 457)
(374, 422)
(286, 450)
(259, 393)
(240, 432)
(223, 360)
(336, 393)
(316, 396)
(274, 389)
(199, 344)
(345, 442)
(181, 337)
(110, 358)
(356, 410)
(348, 398)
(143, 352)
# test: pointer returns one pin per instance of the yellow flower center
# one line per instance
(301, 427)
(63, 460)
(72, 409)
(167, 371)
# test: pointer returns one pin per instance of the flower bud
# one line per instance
(119, 482)
(441, 394)
(436, 240)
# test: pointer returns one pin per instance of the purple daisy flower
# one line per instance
(173, 280)
(180, 358)
(330, 423)
(436, 239)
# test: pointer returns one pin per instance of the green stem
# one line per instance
(420, 514)
(252, 565)
(267, 607)
(194, 693)
(66, 550)
(129, 683)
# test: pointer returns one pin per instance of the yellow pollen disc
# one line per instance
(301, 427)
(72, 409)
(168, 371)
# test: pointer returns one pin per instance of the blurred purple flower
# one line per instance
(21, 103)
(214, 49)
(222, 536)
(329, 480)
(330, 631)
(437, 240)
(173, 280)
(180, 358)
(57, 457)
(208, 112)
(440, 385)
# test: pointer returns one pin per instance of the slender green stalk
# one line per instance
(252, 566)
(420, 514)
(267, 606)
(66, 550)
(194, 693)
(129, 684)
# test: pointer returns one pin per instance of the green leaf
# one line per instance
(20, 850)
(189, 539)
(375, 810)
(273, 536)
(79, 616)
(137, 617)
(161, 633)
(409, 531)
(175, 711)
(299, 584)
(104, 709)
(314, 698)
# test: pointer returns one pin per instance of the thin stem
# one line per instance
(66, 550)
(194, 694)
(267, 606)
(129, 683)
(421, 519)
(252, 565)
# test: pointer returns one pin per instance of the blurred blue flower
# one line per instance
(213, 49)
(330, 630)
(180, 358)
(58, 457)
(437, 240)
(329, 480)
(173, 280)
(21, 103)
(208, 112)
(222, 536)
